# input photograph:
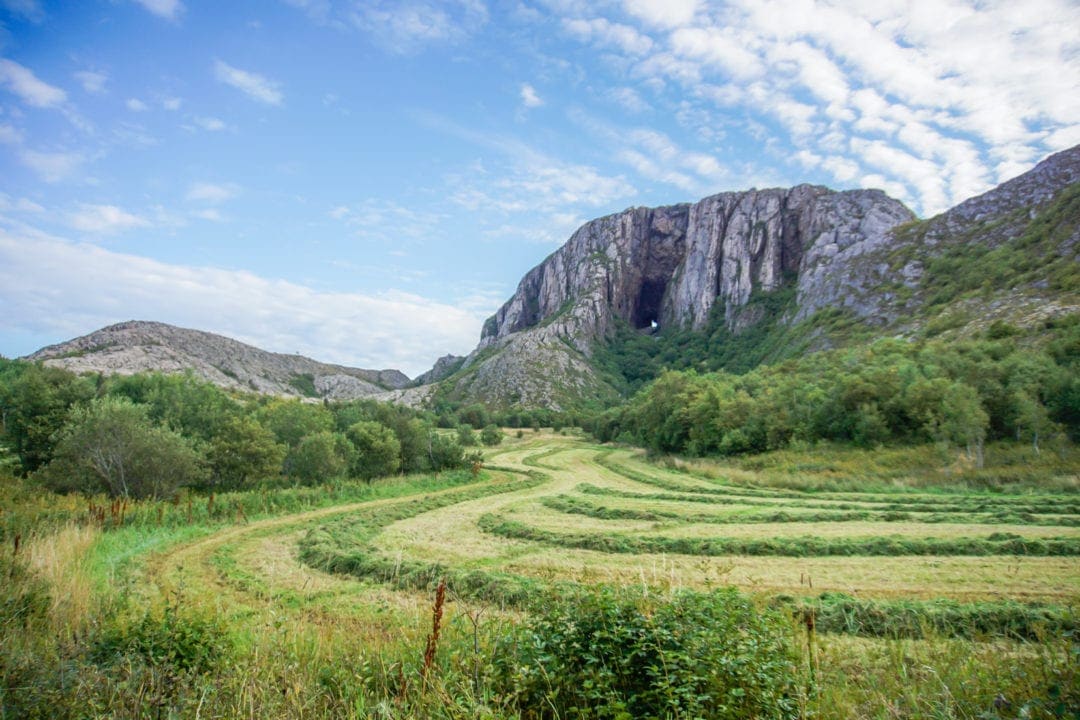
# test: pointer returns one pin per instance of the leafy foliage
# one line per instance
(378, 451)
(890, 391)
(242, 452)
(610, 655)
(320, 456)
(110, 445)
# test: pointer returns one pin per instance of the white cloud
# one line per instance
(211, 214)
(663, 13)
(20, 205)
(529, 97)
(251, 84)
(1063, 138)
(91, 287)
(212, 193)
(610, 34)
(963, 93)
(10, 135)
(718, 47)
(211, 124)
(91, 81)
(172, 104)
(33, 91)
(409, 26)
(168, 9)
(104, 219)
(136, 105)
(629, 98)
(656, 157)
(52, 166)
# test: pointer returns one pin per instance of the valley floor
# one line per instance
(326, 611)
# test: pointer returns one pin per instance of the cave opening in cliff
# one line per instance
(647, 308)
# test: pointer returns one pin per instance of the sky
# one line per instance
(364, 182)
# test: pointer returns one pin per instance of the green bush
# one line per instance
(491, 435)
(610, 655)
(174, 641)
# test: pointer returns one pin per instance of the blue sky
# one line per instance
(365, 182)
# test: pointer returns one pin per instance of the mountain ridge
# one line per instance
(139, 345)
(858, 256)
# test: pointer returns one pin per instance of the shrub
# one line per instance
(491, 435)
(174, 641)
(610, 655)
(320, 456)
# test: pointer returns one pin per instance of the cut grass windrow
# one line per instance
(719, 496)
(899, 501)
(842, 614)
(580, 506)
(806, 546)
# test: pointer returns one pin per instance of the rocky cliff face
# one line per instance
(671, 265)
(132, 347)
(859, 251)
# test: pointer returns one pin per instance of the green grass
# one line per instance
(213, 614)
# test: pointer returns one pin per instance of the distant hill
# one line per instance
(138, 346)
(742, 278)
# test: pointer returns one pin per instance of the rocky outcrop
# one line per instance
(131, 347)
(671, 265)
(443, 368)
(859, 251)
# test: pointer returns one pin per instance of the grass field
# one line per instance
(933, 598)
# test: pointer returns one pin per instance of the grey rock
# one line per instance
(673, 265)
(137, 346)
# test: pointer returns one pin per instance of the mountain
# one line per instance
(777, 272)
(136, 346)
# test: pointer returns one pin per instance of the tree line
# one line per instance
(149, 434)
(891, 391)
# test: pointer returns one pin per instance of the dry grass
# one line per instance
(62, 560)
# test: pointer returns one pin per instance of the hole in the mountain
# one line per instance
(647, 309)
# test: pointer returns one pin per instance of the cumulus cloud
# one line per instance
(941, 99)
(529, 98)
(254, 85)
(663, 13)
(104, 219)
(136, 105)
(91, 287)
(606, 33)
(33, 91)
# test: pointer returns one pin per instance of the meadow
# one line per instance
(564, 579)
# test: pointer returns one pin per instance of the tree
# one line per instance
(466, 435)
(320, 456)
(35, 402)
(112, 446)
(491, 435)
(475, 415)
(444, 452)
(184, 402)
(291, 420)
(243, 451)
(378, 451)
